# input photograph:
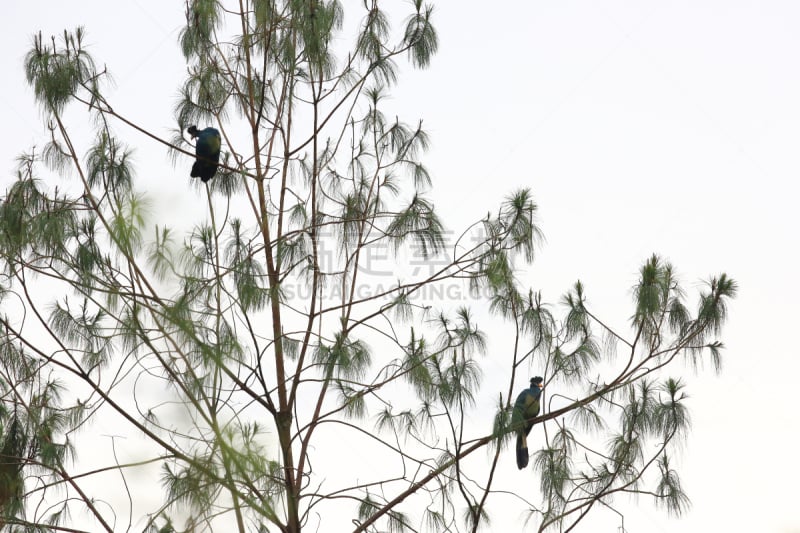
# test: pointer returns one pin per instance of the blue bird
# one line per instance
(207, 150)
(525, 408)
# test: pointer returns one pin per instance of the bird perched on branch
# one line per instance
(525, 408)
(207, 150)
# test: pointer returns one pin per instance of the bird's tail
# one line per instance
(522, 451)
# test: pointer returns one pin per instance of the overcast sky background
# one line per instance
(640, 126)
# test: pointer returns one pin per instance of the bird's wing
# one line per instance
(520, 412)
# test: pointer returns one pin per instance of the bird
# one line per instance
(525, 408)
(207, 150)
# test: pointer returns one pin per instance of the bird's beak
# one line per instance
(541, 385)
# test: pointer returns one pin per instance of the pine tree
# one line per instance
(277, 379)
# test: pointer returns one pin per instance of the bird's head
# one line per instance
(192, 130)
(538, 381)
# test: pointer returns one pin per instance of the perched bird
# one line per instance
(207, 150)
(525, 408)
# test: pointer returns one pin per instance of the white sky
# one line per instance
(641, 126)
